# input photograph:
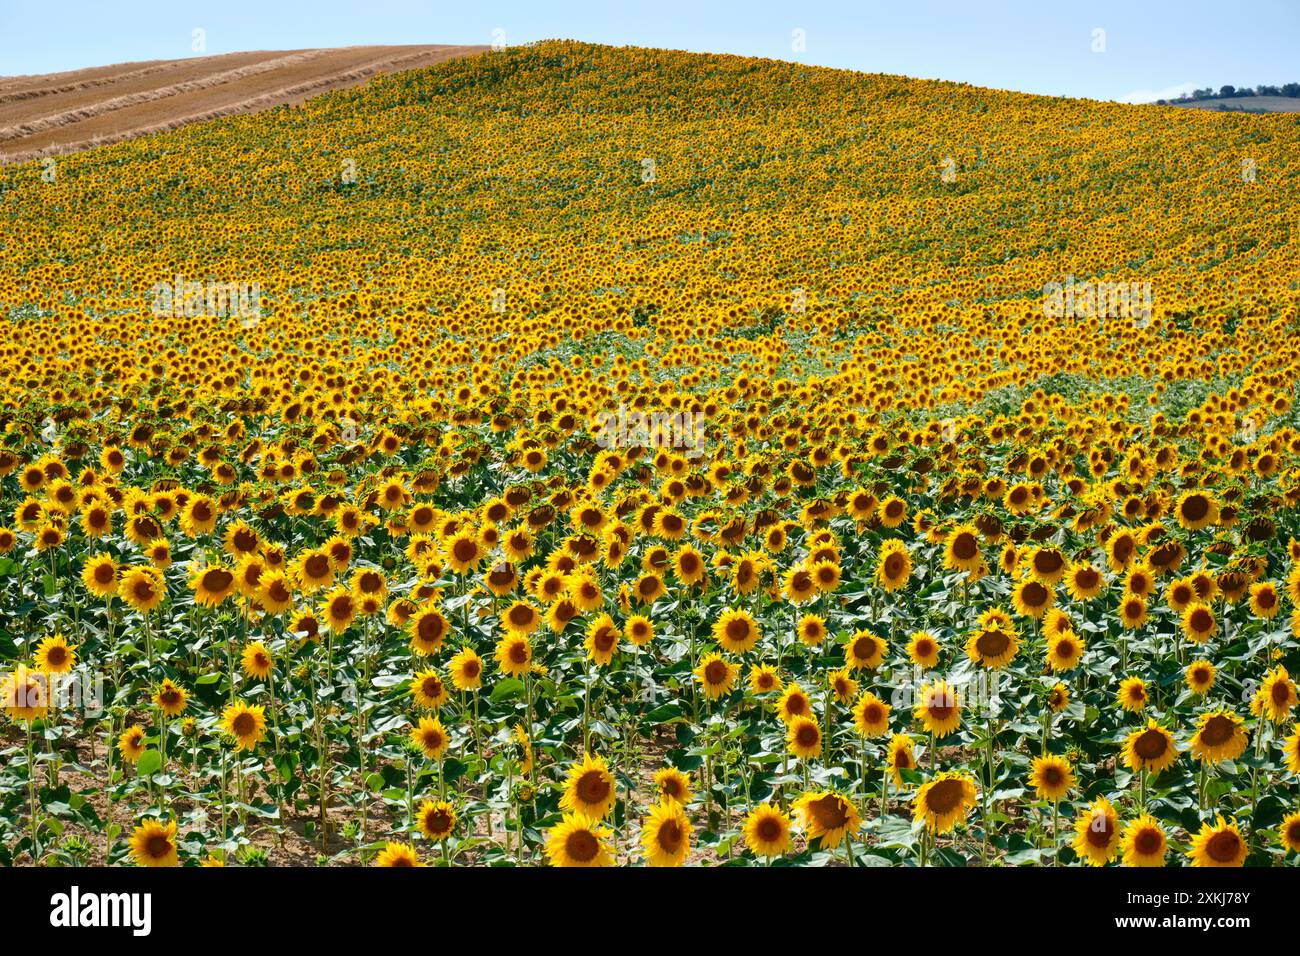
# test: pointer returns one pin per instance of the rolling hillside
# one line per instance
(65, 112)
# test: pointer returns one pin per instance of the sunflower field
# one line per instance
(631, 457)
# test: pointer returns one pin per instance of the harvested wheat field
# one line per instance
(65, 112)
(576, 455)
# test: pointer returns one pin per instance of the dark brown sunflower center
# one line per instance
(1147, 841)
(829, 812)
(992, 644)
(593, 787)
(581, 846)
(1223, 847)
(1196, 507)
(1217, 730)
(944, 796)
(1151, 745)
(670, 836)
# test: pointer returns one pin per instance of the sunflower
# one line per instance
(1096, 833)
(256, 660)
(892, 511)
(1198, 623)
(804, 738)
(602, 640)
(827, 817)
(245, 723)
(944, 801)
(1276, 696)
(431, 737)
(1065, 652)
(583, 591)
(1199, 677)
(437, 820)
(1051, 777)
(1132, 695)
(521, 618)
(54, 656)
(154, 843)
(212, 585)
(900, 756)
(578, 841)
(275, 592)
(1121, 549)
(716, 675)
(864, 651)
(312, 570)
(1150, 748)
(673, 784)
(893, 565)
(811, 630)
(799, 585)
(429, 690)
(767, 831)
(688, 565)
(199, 516)
(466, 669)
(842, 685)
(142, 588)
(590, 789)
(130, 743)
(923, 650)
(1220, 735)
(339, 610)
(1218, 844)
(736, 631)
(938, 708)
(666, 835)
(961, 549)
(428, 629)
(1046, 565)
(871, 715)
(1058, 697)
(1292, 750)
(1083, 581)
(171, 699)
(763, 679)
(649, 587)
(993, 646)
(397, 854)
(514, 655)
(1264, 600)
(1196, 510)
(1032, 598)
(793, 703)
(639, 630)
(1180, 594)
(826, 574)
(99, 575)
(1288, 833)
(1144, 842)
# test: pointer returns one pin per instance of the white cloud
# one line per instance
(1150, 96)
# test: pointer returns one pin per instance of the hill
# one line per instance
(66, 112)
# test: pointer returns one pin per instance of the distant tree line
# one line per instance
(1229, 91)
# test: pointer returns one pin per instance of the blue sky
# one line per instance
(1151, 47)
